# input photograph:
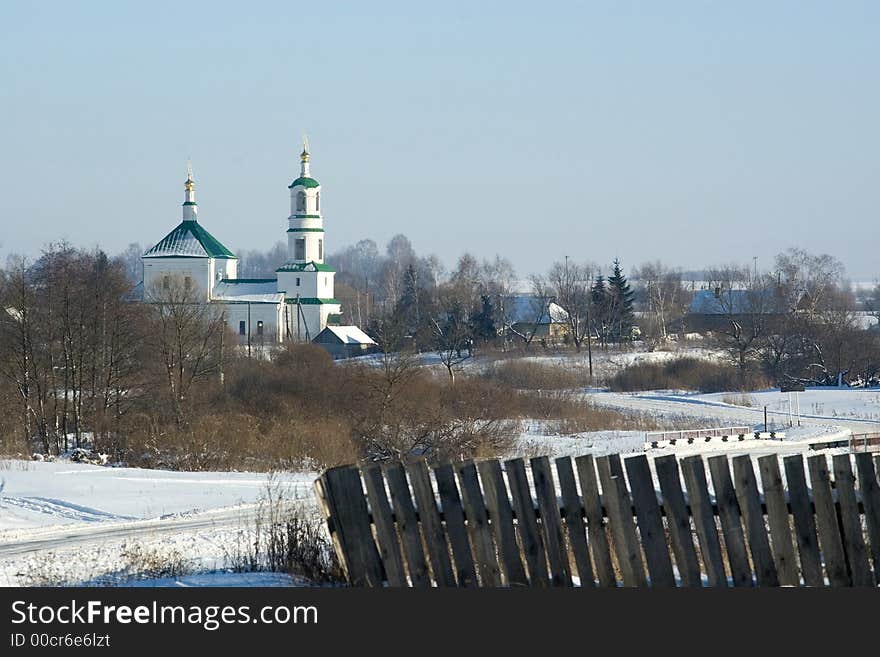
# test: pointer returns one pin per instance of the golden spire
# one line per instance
(304, 156)
(189, 184)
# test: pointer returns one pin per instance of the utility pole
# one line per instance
(249, 329)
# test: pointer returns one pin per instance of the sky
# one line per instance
(696, 133)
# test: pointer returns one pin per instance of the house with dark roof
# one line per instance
(345, 341)
(712, 310)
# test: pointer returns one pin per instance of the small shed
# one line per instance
(345, 341)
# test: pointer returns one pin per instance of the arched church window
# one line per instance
(317, 201)
(300, 201)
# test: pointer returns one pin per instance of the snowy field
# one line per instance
(854, 409)
(65, 522)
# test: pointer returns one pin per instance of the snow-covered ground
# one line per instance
(69, 522)
(826, 414)
(854, 409)
(609, 361)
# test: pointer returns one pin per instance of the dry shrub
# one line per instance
(570, 414)
(740, 399)
(429, 417)
(131, 561)
(288, 538)
(533, 375)
(685, 374)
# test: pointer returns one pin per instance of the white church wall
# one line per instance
(302, 283)
(325, 285)
(198, 270)
(263, 320)
(309, 323)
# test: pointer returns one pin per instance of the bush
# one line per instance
(532, 375)
(570, 414)
(286, 538)
(686, 374)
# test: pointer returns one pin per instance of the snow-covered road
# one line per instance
(858, 410)
(64, 537)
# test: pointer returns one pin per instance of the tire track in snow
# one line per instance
(61, 509)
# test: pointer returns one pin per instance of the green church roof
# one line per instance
(189, 239)
(305, 182)
(305, 266)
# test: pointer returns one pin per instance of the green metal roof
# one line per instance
(311, 301)
(189, 239)
(304, 182)
(305, 266)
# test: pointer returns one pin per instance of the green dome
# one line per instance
(304, 182)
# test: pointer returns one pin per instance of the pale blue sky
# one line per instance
(693, 132)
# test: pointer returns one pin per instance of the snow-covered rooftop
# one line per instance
(263, 290)
(350, 335)
(526, 308)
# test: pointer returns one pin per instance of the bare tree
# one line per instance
(185, 335)
(569, 285)
(451, 329)
(665, 298)
(746, 303)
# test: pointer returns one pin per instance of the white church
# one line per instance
(297, 304)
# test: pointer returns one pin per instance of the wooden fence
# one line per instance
(513, 524)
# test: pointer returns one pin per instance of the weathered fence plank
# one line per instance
(731, 523)
(620, 516)
(778, 519)
(574, 521)
(756, 532)
(870, 490)
(595, 521)
(453, 516)
(341, 497)
(678, 520)
(408, 526)
(554, 538)
(804, 524)
(383, 521)
(826, 522)
(651, 530)
(432, 525)
(851, 522)
(704, 520)
(478, 525)
(527, 523)
(501, 519)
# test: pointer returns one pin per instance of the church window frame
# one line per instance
(320, 249)
(300, 201)
(317, 201)
(299, 248)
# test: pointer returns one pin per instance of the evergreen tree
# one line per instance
(599, 308)
(621, 302)
(482, 322)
